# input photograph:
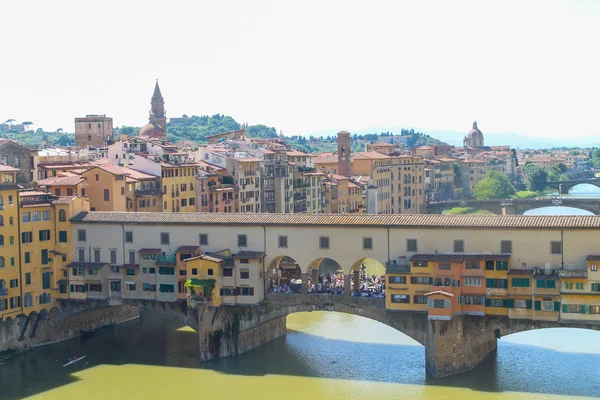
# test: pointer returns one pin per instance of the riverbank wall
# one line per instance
(44, 329)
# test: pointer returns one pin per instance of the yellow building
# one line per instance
(178, 179)
(378, 167)
(142, 191)
(580, 292)
(10, 279)
(407, 284)
(520, 294)
(407, 185)
(246, 175)
(65, 184)
(496, 287)
(106, 187)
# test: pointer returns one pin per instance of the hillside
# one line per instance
(39, 137)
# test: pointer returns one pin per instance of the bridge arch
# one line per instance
(284, 272)
(566, 186)
(367, 272)
(524, 209)
(325, 275)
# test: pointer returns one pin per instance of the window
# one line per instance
(128, 237)
(62, 236)
(520, 282)
(113, 257)
(400, 298)
(397, 280)
(472, 265)
(472, 281)
(28, 278)
(283, 242)
(129, 271)
(545, 283)
(96, 255)
(594, 309)
(227, 271)
(166, 270)
(420, 264)
(227, 291)
(521, 304)
(164, 288)
(419, 299)
(501, 265)
(26, 217)
(579, 285)
(492, 283)
(506, 246)
(421, 280)
(44, 235)
(62, 216)
(81, 235)
(182, 272)
(431, 303)
(131, 257)
(445, 266)
(555, 247)
(44, 256)
(14, 283)
(246, 291)
(106, 194)
(547, 306)
(242, 240)
(323, 242)
(411, 245)
(593, 267)
(367, 243)
(45, 280)
(210, 272)
(459, 246)
(131, 287)
(115, 269)
(26, 237)
(496, 303)
(244, 274)
(194, 271)
(164, 238)
(81, 255)
(36, 216)
(489, 265)
(203, 239)
(595, 287)
(46, 215)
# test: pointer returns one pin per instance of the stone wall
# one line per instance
(9, 150)
(45, 329)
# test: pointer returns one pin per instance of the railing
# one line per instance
(299, 197)
(392, 267)
(167, 259)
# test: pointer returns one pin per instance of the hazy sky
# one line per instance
(531, 67)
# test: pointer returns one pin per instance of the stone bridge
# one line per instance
(565, 186)
(518, 206)
(451, 347)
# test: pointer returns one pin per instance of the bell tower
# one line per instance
(343, 142)
(157, 110)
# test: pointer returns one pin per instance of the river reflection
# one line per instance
(324, 356)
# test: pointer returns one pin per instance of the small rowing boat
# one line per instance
(73, 361)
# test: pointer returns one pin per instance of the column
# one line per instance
(356, 277)
(304, 277)
(347, 286)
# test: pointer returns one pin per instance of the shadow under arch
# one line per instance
(285, 275)
(325, 276)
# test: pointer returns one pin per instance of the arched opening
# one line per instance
(62, 216)
(367, 278)
(1, 262)
(1, 240)
(325, 276)
(560, 210)
(27, 300)
(583, 190)
(286, 276)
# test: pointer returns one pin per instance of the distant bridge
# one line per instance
(518, 206)
(565, 186)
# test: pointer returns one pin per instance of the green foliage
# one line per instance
(495, 185)
(130, 130)
(262, 132)
(526, 194)
(536, 178)
(207, 285)
(457, 174)
(39, 137)
(201, 127)
(558, 173)
(465, 210)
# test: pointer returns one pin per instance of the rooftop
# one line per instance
(398, 220)
(459, 257)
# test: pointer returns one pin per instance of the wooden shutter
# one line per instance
(538, 305)
(510, 303)
(488, 302)
(557, 306)
(489, 283)
(583, 309)
(528, 304)
(565, 308)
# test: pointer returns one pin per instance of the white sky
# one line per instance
(531, 67)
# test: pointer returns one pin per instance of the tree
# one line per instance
(558, 173)
(495, 185)
(536, 178)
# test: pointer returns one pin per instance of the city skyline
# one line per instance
(394, 65)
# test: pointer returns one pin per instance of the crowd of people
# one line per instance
(333, 283)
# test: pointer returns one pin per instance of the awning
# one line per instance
(129, 282)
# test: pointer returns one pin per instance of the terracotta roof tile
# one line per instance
(7, 168)
(62, 180)
(399, 220)
(249, 254)
(527, 272)
(187, 249)
(458, 257)
(64, 200)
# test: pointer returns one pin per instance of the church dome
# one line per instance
(475, 133)
(153, 130)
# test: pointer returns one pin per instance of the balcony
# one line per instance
(298, 197)
(395, 268)
(168, 259)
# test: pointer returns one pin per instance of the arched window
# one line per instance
(62, 216)
(28, 300)
(1, 220)
(1, 202)
(1, 262)
(1, 240)
(2, 284)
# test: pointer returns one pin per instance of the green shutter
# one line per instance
(489, 283)
(551, 284)
(538, 305)
(541, 283)
(595, 287)
(557, 306)
(72, 288)
(583, 309)
(488, 302)
(510, 303)
(565, 308)
(528, 303)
